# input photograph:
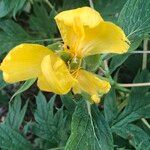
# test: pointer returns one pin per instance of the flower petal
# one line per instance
(23, 62)
(71, 23)
(84, 13)
(57, 74)
(43, 84)
(90, 83)
(104, 38)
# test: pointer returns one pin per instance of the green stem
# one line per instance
(145, 49)
(145, 122)
(134, 84)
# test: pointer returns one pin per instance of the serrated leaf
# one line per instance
(9, 7)
(10, 136)
(13, 140)
(11, 35)
(24, 87)
(49, 126)
(89, 131)
(16, 114)
(138, 103)
(136, 136)
(42, 22)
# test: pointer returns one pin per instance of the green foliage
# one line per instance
(16, 115)
(138, 102)
(136, 136)
(137, 107)
(42, 21)
(10, 137)
(138, 22)
(110, 106)
(11, 35)
(9, 7)
(89, 130)
(36, 121)
(24, 87)
(93, 62)
(49, 126)
(135, 21)
(109, 9)
(68, 4)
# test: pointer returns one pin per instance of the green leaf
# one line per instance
(109, 9)
(49, 126)
(92, 62)
(13, 140)
(120, 59)
(15, 115)
(42, 22)
(138, 103)
(9, 7)
(89, 130)
(136, 136)
(55, 46)
(68, 101)
(110, 106)
(11, 35)
(10, 136)
(135, 18)
(24, 87)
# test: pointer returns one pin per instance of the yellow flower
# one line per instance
(84, 33)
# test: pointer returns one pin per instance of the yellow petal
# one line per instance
(57, 75)
(23, 62)
(104, 38)
(43, 84)
(91, 84)
(71, 23)
(87, 15)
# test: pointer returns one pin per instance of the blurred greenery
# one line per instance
(31, 119)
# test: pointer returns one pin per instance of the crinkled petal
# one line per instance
(104, 38)
(71, 24)
(55, 71)
(91, 84)
(23, 62)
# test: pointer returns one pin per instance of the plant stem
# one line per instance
(135, 84)
(91, 4)
(145, 122)
(145, 49)
(140, 52)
